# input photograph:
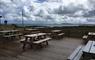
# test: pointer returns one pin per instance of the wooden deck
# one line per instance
(57, 50)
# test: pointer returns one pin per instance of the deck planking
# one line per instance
(57, 50)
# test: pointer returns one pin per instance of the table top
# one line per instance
(56, 30)
(90, 47)
(91, 33)
(34, 35)
(6, 31)
(31, 29)
(12, 35)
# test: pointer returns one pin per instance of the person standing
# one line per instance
(5, 22)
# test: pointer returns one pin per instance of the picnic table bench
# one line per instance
(61, 35)
(76, 55)
(42, 41)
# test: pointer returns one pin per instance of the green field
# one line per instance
(73, 31)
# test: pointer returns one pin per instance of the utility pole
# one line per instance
(23, 20)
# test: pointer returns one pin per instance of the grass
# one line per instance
(77, 31)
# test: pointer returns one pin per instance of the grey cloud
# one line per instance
(92, 3)
(91, 19)
(89, 13)
(70, 9)
(35, 12)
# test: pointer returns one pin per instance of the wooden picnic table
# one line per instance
(6, 31)
(89, 50)
(91, 35)
(13, 35)
(57, 34)
(29, 39)
(10, 34)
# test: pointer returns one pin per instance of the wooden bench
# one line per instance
(42, 41)
(61, 34)
(22, 40)
(76, 55)
(85, 37)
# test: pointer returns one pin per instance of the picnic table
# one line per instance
(9, 34)
(91, 35)
(89, 50)
(37, 38)
(57, 34)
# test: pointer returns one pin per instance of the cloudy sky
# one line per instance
(48, 11)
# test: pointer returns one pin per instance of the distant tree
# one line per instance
(5, 22)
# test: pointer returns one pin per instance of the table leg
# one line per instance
(46, 42)
(24, 46)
